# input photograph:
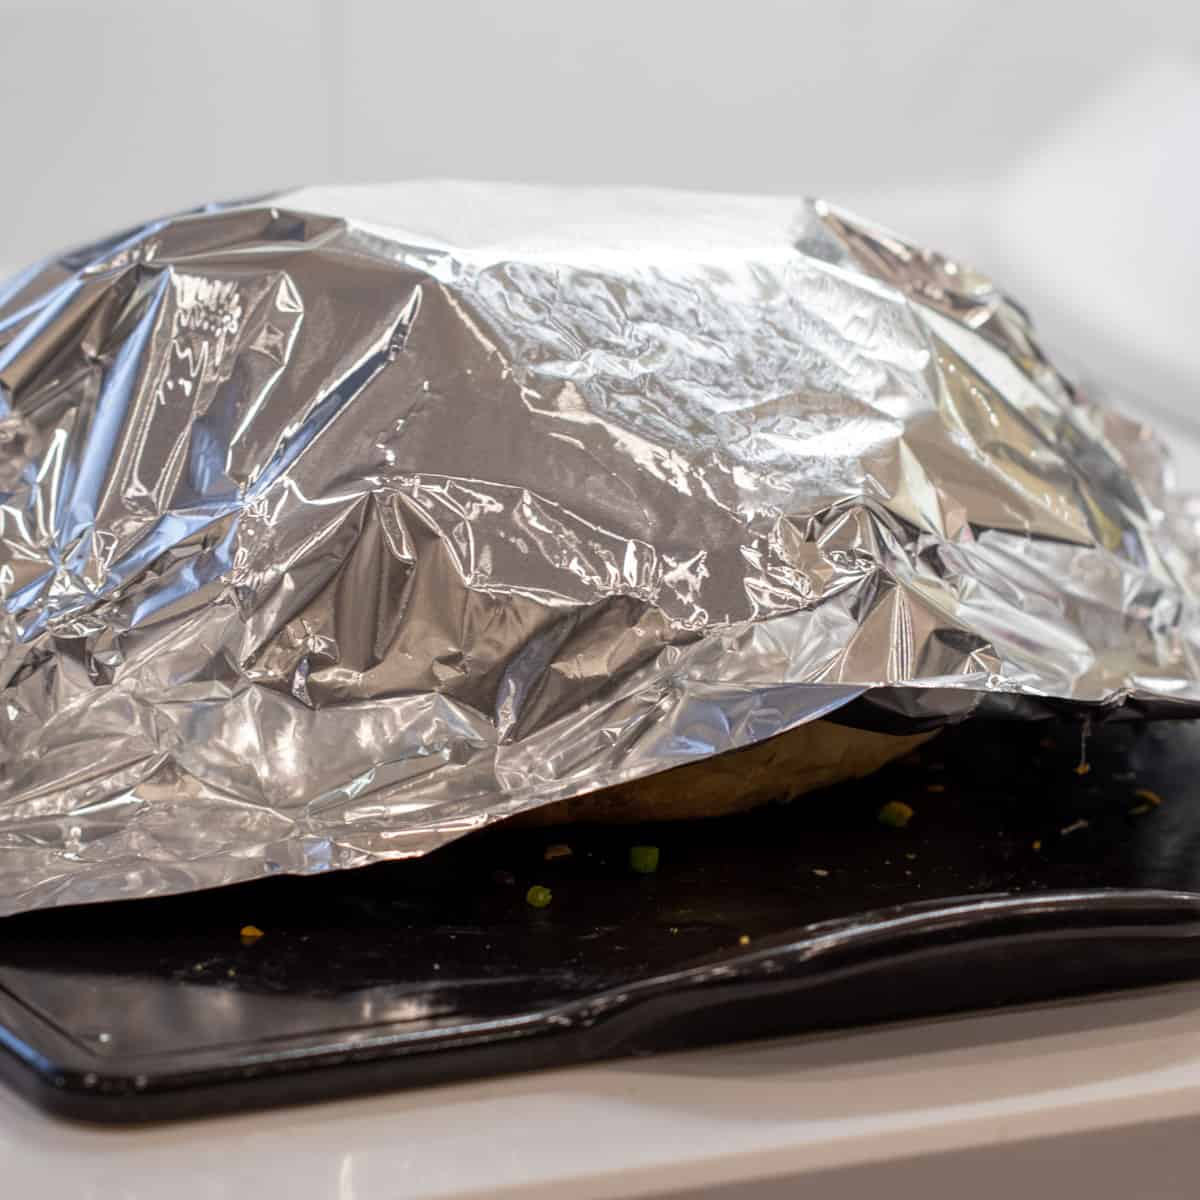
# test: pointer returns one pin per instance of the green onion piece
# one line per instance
(538, 896)
(644, 859)
(895, 813)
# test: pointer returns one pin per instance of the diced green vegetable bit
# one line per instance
(644, 859)
(895, 813)
(538, 896)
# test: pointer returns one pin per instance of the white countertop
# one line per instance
(974, 1101)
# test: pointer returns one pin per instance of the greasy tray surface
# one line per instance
(437, 969)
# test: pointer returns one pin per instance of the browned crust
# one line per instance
(804, 759)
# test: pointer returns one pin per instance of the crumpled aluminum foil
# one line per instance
(338, 525)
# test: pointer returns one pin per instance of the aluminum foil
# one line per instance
(338, 525)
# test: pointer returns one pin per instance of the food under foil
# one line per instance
(339, 524)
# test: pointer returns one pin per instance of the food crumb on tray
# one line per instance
(896, 813)
(643, 859)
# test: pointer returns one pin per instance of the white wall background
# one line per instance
(1055, 142)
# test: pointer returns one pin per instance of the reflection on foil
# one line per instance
(338, 525)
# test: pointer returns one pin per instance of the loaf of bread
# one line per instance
(812, 756)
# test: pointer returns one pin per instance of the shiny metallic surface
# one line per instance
(337, 525)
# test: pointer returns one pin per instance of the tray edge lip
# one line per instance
(75, 1083)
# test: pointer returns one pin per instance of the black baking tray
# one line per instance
(1020, 877)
